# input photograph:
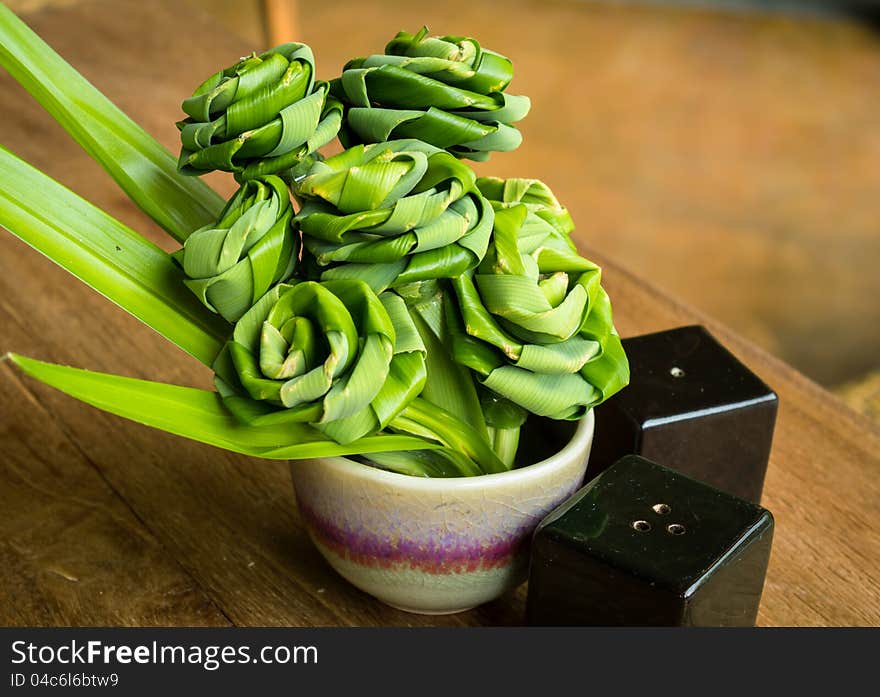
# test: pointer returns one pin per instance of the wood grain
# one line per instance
(186, 534)
(71, 550)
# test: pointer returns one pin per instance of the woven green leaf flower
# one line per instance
(533, 321)
(266, 114)
(333, 354)
(447, 91)
(410, 333)
(232, 263)
(393, 213)
(546, 218)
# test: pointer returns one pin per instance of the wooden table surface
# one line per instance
(105, 522)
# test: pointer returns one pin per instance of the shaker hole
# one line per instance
(676, 372)
(641, 525)
(661, 508)
(675, 529)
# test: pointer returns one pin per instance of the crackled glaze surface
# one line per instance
(433, 545)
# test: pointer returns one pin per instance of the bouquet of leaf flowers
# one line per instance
(383, 302)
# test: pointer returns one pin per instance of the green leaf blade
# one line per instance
(138, 163)
(199, 415)
(107, 256)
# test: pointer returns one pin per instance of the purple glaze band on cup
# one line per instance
(434, 545)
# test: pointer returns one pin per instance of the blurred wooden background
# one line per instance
(731, 157)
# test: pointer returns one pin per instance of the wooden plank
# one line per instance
(282, 21)
(231, 522)
(71, 551)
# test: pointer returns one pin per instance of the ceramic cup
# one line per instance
(434, 546)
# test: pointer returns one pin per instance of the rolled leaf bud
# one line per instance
(266, 114)
(393, 213)
(546, 217)
(447, 91)
(232, 263)
(332, 354)
(533, 321)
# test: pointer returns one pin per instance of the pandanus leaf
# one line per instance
(440, 462)
(231, 263)
(106, 255)
(264, 115)
(449, 385)
(447, 91)
(427, 420)
(144, 170)
(547, 223)
(200, 415)
(393, 214)
(533, 320)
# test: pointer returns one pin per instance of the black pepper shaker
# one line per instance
(643, 545)
(692, 406)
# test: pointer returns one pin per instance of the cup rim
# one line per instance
(579, 442)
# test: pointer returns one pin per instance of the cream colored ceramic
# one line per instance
(433, 545)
